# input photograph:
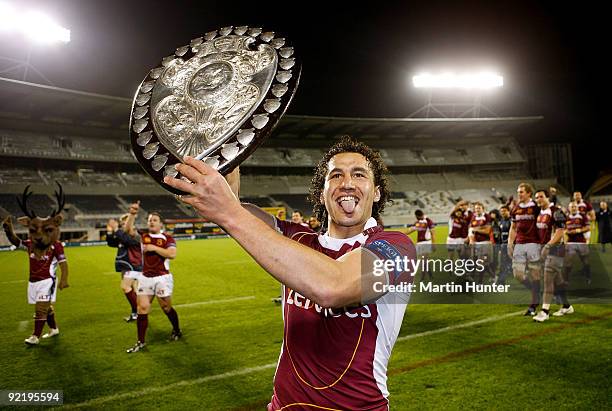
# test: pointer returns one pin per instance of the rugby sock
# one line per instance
(38, 326)
(142, 322)
(535, 293)
(131, 297)
(51, 319)
(563, 295)
(546, 308)
(173, 317)
(527, 283)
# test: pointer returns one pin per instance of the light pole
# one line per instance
(36, 28)
(473, 83)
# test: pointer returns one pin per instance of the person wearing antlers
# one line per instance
(46, 253)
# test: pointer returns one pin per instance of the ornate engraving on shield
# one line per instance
(215, 99)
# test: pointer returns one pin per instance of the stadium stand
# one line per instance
(433, 162)
(166, 205)
(41, 204)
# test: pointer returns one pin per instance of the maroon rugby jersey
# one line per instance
(524, 219)
(423, 228)
(456, 226)
(547, 220)
(465, 229)
(584, 207)
(576, 221)
(153, 264)
(482, 220)
(44, 267)
(337, 358)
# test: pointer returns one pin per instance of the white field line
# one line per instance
(12, 282)
(228, 300)
(245, 371)
(458, 326)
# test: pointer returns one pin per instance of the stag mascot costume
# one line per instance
(46, 253)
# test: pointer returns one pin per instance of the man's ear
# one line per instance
(58, 220)
(24, 221)
(377, 194)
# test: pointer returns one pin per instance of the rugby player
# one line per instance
(156, 280)
(298, 218)
(128, 261)
(455, 241)
(577, 227)
(551, 228)
(424, 228)
(586, 209)
(524, 244)
(480, 234)
(338, 334)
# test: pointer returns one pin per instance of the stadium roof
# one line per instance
(56, 110)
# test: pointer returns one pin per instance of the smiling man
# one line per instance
(338, 333)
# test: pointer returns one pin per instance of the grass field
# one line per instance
(447, 357)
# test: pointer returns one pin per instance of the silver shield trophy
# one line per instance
(215, 99)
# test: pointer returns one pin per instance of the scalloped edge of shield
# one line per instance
(159, 162)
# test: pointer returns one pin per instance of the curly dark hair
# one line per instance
(349, 145)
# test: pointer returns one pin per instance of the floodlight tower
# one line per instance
(472, 84)
(36, 28)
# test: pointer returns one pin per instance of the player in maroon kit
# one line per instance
(524, 244)
(551, 228)
(156, 280)
(337, 336)
(46, 254)
(586, 209)
(577, 227)
(424, 228)
(124, 236)
(455, 242)
(480, 237)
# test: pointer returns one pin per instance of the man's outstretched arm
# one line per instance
(328, 282)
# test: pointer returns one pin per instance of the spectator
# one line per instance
(604, 225)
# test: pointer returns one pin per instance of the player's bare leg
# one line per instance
(552, 282)
(142, 322)
(127, 286)
(41, 309)
(519, 270)
(561, 294)
(53, 330)
(535, 275)
(166, 305)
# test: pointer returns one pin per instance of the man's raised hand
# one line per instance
(208, 191)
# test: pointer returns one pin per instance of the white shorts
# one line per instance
(571, 249)
(553, 263)
(160, 286)
(483, 249)
(134, 275)
(42, 291)
(526, 253)
(424, 247)
(454, 244)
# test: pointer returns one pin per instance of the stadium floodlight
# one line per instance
(480, 80)
(34, 25)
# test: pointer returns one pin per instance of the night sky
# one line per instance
(358, 59)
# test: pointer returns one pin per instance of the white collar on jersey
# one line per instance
(529, 203)
(336, 244)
